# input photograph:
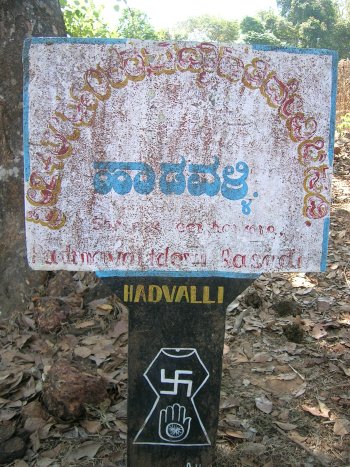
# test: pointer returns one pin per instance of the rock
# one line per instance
(286, 308)
(69, 386)
(294, 332)
(12, 449)
(337, 150)
(50, 313)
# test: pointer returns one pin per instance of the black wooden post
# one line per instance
(176, 337)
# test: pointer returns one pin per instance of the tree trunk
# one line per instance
(19, 19)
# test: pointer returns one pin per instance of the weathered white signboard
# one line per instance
(177, 158)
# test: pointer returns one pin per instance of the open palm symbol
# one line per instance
(173, 424)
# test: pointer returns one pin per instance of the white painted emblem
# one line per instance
(174, 418)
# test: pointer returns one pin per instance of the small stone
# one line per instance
(69, 386)
(50, 313)
(294, 332)
(286, 308)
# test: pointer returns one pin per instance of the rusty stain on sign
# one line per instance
(177, 158)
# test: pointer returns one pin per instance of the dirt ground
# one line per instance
(285, 391)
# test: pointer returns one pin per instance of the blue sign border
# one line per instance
(267, 48)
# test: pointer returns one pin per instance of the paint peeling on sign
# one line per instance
(177, 158)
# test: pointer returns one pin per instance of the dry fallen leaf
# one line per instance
(92, 426)
(239, 357)
(300, 391)
(121, 426)
(25, 391)
(232, 306)
(32, 424)
(88, 449)
(53, 453)
(120, 409)
(341, 427)
(253, 449)
(20, 463)
(229, 402)
(318, 331)
(318, 412)
(297, 437)
(346, 370)
(6, 414)
(263, 369)
(121, 327)
(82, 352)
(301, 280)
(35, 440)
(286, 426)
(91, 340)
(286, 376)
(261, 357)
(264, 404)
(45, 462)
(303, 291)
(236, 434)
(232, 420)
(21, 341)
(105, 307)
(85, 324)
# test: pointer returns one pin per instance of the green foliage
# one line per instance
(313, 33)
(166, 35)
(341, 39)
(300, 11)
(344, 125)
(280, 27)
(268, 28)
(209, 28)
(317, 22)
(250, 24)
(83, 18)
(302, 23)
(135, 24)
(265, 38)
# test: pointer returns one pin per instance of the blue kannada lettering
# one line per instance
(235, 188)
(203, 179)
(172, 180)
(114, 175)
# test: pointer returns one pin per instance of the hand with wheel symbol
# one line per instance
(174, 426)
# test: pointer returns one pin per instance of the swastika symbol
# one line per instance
(176, 381)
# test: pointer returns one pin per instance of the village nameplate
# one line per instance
(162, 158)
